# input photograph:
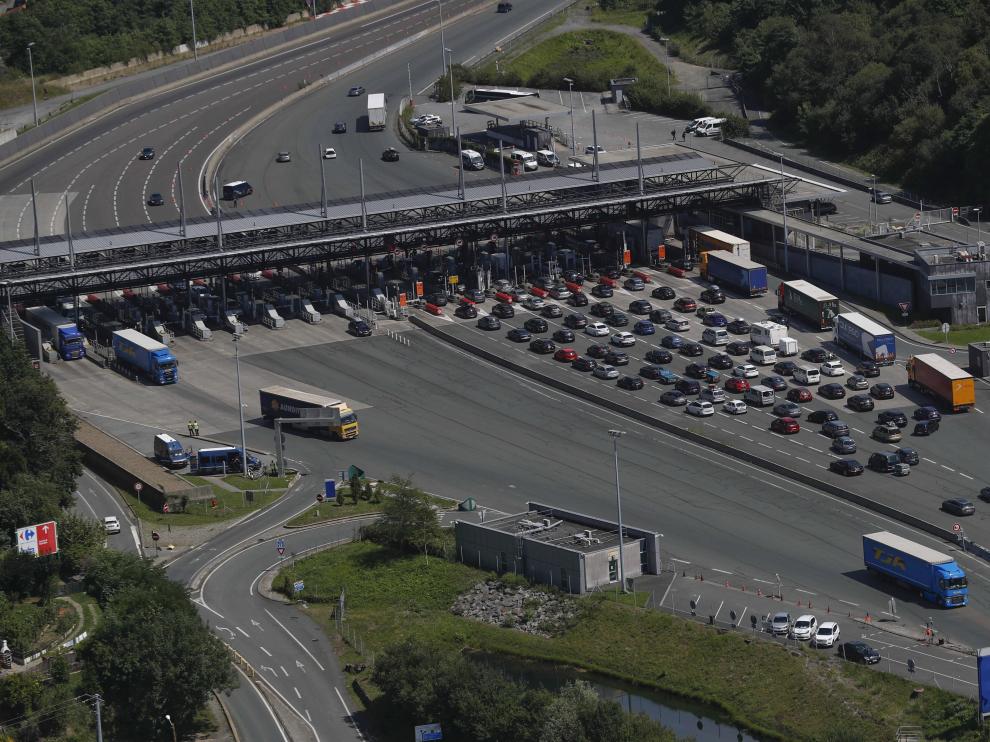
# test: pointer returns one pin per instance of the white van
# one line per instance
(759, 396)
(472, 160)
(787, 347)
(715, 336)
(710, 128)
(807, 375)
(524, 158)
(547, 158)
(693, 126)
(763, 355)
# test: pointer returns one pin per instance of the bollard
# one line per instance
(799, 603)
(702, 576)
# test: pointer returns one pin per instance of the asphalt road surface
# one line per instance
(95, 499)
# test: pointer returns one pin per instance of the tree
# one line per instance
(409, 522)
(79, 540)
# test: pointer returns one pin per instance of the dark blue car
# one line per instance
(672, 341)
(644, 327)
(519, 335)
(715, 320)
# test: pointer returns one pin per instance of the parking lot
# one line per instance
(947, 465)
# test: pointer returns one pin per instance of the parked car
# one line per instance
(606, 372)
(519, 335)
(630, 383)
(784, 368)
(737, 385)
(617, 319)
(672, 341)
(156, 200)
(827, 634)
(777, 383)
(503, 311)
(329, 153)
(597, 329)
(714, 319)
(859, 651)
(688, 386)
(925, 427)
(659, 355)
(835, 428)
(283, 157)
(633, 284)
(616, 357)
(566, 355)
(601, 291)
(713, 394)
(584, 364)
(578, 299)
(908, 456)
(927, 413)
(861, 403)
(696, 370)
(787, 409)
(489, 323)
(699, 408)
(896, 417)
(644, 327)
(780, 623)
(623, 339)
(543, 346)
(737, 348)
(832, 368)
(868, 369)
(745, 371)
(603, 309)
(692, 350)
(673, 398)
(552, 311)
(660, 316)
(466, 311)
(534, 303)
(564, 335)
(640, 306)
(799, 395)
(340, 128)
(843, 445)
(721, 361)
(785, 426)
(678, 324)
(882, 391)
(804, 627)
(958, 506)
(817, 355)
(846, 467)
(713, 295)
(111, 524)
(576, 321)
(888, 433)
(685, 304)
(355, 91)
(858, 383)
(663, 292)
(831, 391)
(535, 324)
(359, 328)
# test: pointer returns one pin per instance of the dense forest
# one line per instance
(74, 36)
(897, 87)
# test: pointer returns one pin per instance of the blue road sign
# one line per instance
(983, 675)
(298, 586)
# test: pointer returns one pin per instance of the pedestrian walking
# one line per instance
(196, 428)
(684, 134)
(673, 135)
(189, 427)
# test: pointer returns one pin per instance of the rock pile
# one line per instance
(535, 611)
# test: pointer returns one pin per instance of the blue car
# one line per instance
(715, 320)
(666, 376)
(519, 335)
(672, 341)
(644, 327)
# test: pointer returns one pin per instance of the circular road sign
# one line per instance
(956, 528)
(952, 351)
(155, 535)
(138, 486)
(319, 497)
(459, 242)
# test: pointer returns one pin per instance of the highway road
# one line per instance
(97, 165)
(96, 499)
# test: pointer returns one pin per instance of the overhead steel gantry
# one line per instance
(311, 234)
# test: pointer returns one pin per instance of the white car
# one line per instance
(735, 407)
(427, 119)
(676, 324)
(111, 524)
(805, 627)
(623, 339)
(560, 292)
(832, 368)
(699, 408)
(745, 371)
(534, 303)
(283, 157)
(597, 329)
(590, 149)
(827, 634)
(606, 372)
(329, 154)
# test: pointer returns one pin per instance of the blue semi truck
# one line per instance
(740, 274)
(148, 357)
(936, 576)
(863, 336)
(60, 331)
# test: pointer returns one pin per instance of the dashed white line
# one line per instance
(928, 460)
(948, 468)
(264, 650)
(855, 605)
(721, 571)
(298, 694)
(243, 631)
(965, 475)
(282, 668)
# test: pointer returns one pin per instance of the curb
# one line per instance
(227, 717)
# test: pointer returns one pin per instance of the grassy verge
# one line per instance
(619, 17)
(959, 336)
(328, 511)
(760, 685)
(262, 483)
(229, 505)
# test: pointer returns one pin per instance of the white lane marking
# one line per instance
(722, 571)
(285, 672)
(243, 631)
(199, 601)
(848, 603)
(965, 475)
(806, 592)
(264, 701)
(948, 468)
(349, 716)
(301, 645)
(765, 582)
(928, 460)
(862, 432)
(298, 694)
(682, 561)
(264, 650)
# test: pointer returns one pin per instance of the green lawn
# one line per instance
(620, 17)
(229, 505)
(779, 694)
(961, 336)
(327, 511)
(262, 483)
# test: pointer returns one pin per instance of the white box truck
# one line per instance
(376, 111)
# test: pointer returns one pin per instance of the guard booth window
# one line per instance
(643, 561)
(613, 569)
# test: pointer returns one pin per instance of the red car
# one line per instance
(679, 272)
(735, 384)
(685, 304)
(565, 354)
(785, 426)
(799, 395)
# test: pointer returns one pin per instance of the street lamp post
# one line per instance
(443, 44)
(666, 60)
(783, 212)
(168, 718)
(570, 87)
(978, 233)
(615, 435)
(34, 94)
(873, 198)
(450, 72)
(240, 409)
(192, 17)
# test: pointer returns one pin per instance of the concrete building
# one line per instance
(561, 548)
(953, 283)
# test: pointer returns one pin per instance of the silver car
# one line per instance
(676, 324)
(606, 372)
(283, 157)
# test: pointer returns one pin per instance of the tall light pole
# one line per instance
(34, 94)
(240, 413)
(783, 211)
(570, 86)
(978, 234)
(666, 60)
(443, 44)
(450, 72)
(192, 16)
(168, 718)
(873, 198)
(615, 435)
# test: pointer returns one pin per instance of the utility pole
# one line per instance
(570, 87)
(99, 720)
(615, 435)
(240, 406)
(34, 95)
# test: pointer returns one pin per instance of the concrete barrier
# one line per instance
(750, 458)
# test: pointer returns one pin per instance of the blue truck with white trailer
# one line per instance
(151, 359)
(934, 575)
(863, 336)
(737, 272)
(58, 330)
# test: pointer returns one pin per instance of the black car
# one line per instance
(784, 368)
(927, 413)
(390, 155)
(673, 398)
(617, 358)
(832, 391)
(601, 291)
(663, 292)
(696, 370)
(552, 311)
(583, 364)
(617, 319)
(542, 346)
(721, 361)
(631, 383)
(869, 369)
(564, 336)
(640, 306)
(578, 299)
(659, 355)
(737, 348)
(156, 200)
(603, 309)
(597, 351)
(576, 321)
(503, 311)
(822, 416)
(660, 316)
(466, 311)
(777, 383)
(985, 494)
(692, 349)
(672, 341)
(882, 391)
(817, 355)
(489, 323)
(688, 386)
(908, 456)
(926, 427)
(650, 372)
(574, 277)
(893, 416)
(713, 295)
(340, 128)
(355, 91)
(860, 403)
(739, 327)
(359, 328)
(535, 324)
(148, 153)
(787, 409)
(846, 467)
(857, 651)
(519, 335)
(958, 506)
